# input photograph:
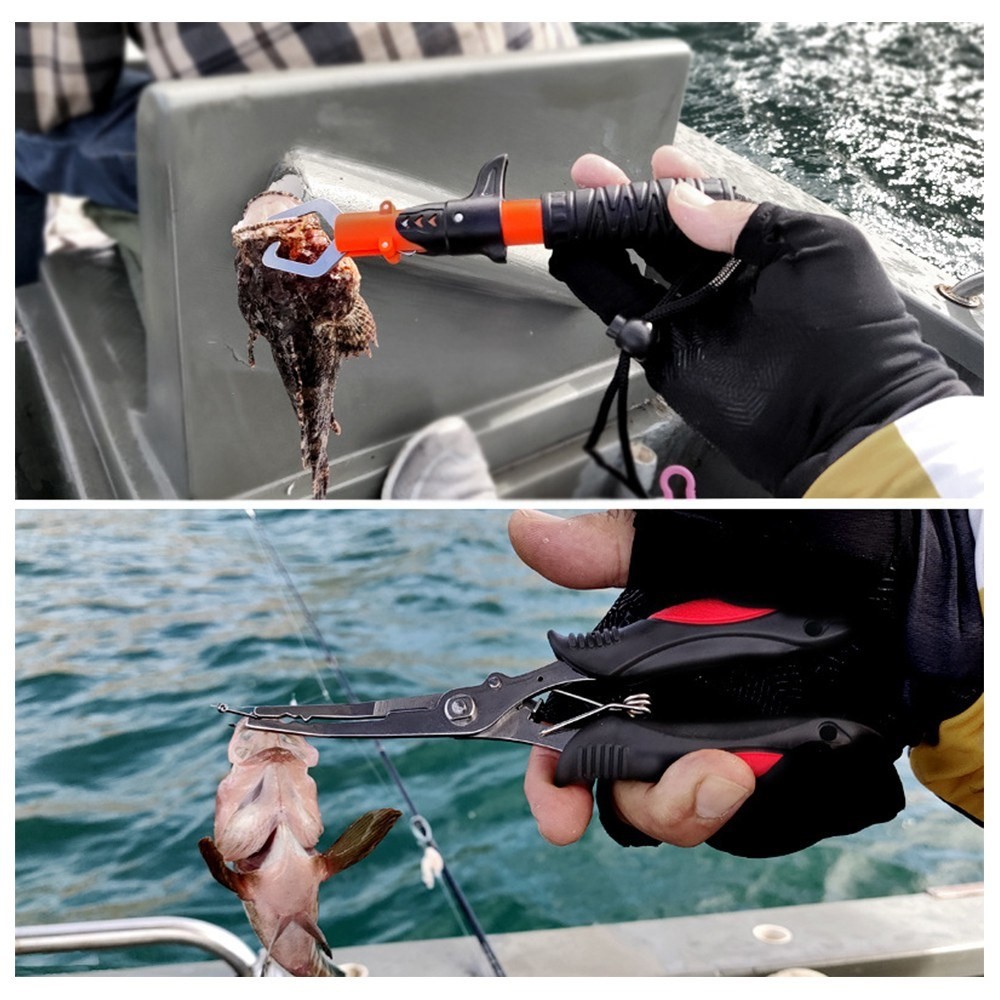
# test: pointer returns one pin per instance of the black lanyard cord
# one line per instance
(635, 337)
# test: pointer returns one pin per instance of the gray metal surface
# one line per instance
(914, 935)
(84, 380)
(936, 933)
(453, 336)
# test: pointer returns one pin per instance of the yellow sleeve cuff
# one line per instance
(934, 451)
(954, 768)
(882, 465)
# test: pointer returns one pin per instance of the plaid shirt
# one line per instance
(66, 69)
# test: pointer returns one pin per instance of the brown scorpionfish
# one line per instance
(312, 324)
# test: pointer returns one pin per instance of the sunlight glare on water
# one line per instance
(884, 121)
(131, 624)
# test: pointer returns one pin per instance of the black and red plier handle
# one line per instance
(700, 635)
(598, 702)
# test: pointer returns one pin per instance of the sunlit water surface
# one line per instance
(884, 121)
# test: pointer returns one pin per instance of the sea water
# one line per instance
(132, 623)
(884, 120)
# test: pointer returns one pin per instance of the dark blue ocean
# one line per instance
(130, 625)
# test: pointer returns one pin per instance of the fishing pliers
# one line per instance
(613, 701)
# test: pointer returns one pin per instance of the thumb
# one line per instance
(693, 800)
(714, 225)
(587, 551)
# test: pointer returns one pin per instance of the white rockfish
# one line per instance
(267, 825)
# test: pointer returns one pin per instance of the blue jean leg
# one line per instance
(90, 157)
(29, 229)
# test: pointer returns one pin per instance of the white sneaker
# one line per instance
(441, 462)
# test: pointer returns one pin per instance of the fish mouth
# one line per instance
(277, 755)
(259, 209)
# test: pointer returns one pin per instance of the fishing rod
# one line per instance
(418, 824)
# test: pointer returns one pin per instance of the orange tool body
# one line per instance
(370, 234)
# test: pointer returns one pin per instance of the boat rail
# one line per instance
(134, 931)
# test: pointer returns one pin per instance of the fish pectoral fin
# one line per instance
(308, 924)
(221, 872)
(359, 840)
(312, 929)
(269, 946)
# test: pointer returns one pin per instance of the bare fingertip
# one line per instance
(690, 195)
(669, 161)
(593, 170)
(717, 797)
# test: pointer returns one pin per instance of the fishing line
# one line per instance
(377, 773)
(418, 824)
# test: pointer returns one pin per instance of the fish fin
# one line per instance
(355, 333)
(222, 873)
(312, 929)
(359, 840)
(282, 925)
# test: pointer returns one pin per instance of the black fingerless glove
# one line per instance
(802, 352)
(904, 579)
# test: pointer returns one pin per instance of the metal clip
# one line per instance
(328, 212)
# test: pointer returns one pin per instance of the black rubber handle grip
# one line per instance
(627, 214)
(620, 748)
(653, 649)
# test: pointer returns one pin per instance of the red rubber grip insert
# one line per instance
(760, 761)
(709, 611)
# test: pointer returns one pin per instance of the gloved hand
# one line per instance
(903, 578)
(802, 353)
